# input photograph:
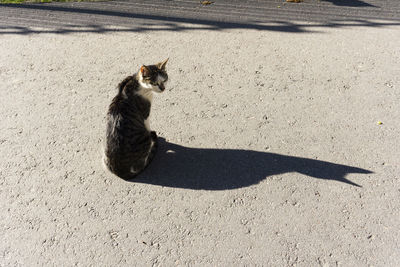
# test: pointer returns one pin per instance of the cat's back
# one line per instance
(120, 104)
(124, 118)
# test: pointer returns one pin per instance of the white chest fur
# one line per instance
(146, 93)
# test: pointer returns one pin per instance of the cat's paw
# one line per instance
(153, 135)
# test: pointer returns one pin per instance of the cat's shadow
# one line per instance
(223, 169)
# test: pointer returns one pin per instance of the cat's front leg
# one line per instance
(154, 139)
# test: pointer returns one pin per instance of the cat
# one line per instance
(130, 144)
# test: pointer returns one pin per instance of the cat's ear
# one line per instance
(162, 65)
(144, 71)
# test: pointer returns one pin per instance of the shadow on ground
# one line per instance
(57, 20)
(350, 3)
(278, 26)
(223, 169)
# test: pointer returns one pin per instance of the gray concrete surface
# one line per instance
(273, 155)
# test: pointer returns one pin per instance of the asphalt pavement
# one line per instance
(279, 134)
(141, 15)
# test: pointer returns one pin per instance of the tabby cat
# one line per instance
(130, 144)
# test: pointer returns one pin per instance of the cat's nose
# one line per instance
(161, 86)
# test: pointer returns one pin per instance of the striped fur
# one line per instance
(130, 144)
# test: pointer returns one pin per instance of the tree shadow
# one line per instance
(94, 19)
(223, 169)
(350, 3)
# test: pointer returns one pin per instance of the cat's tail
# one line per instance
(126, 175)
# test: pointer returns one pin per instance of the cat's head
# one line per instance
(154, 77)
